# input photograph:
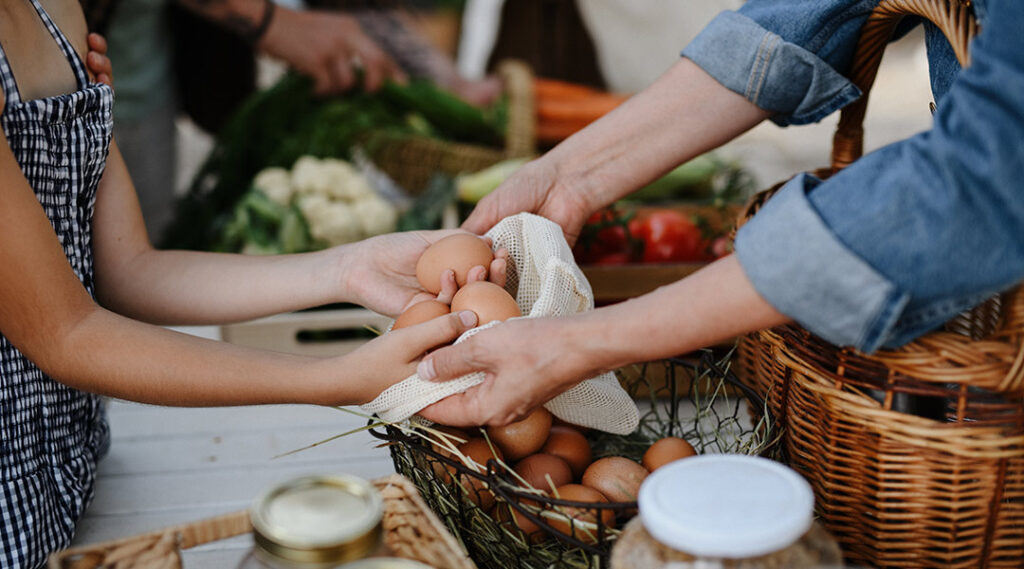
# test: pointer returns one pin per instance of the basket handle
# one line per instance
(520, 138)
(955, 20)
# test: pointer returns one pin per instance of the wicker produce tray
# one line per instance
(411, 530)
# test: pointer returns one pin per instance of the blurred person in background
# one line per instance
(197, 56)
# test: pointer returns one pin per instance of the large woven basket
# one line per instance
(411, 160)
(411, 531)
(916, 454)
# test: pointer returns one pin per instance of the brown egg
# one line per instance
(452, 438)
(442, 470)
(580, 523)
(571, 446)
(479, 452)
(562, 423)
(616, 477)
(536, 470)
(506, 514)
(665, 451)
(460, 252)
(488, 300)
(522, 438)
(420, 313)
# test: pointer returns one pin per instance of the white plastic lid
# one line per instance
(726, 506)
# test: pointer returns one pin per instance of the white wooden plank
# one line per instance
(133, 420)
(229, 487)
(258, 448)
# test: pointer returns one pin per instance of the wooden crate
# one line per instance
(327, 332)
(615, 283)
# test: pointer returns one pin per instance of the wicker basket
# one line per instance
(411, 530)
(916, 454)
(411, 160)
(699, 401)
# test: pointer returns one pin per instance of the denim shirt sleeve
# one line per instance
(909, 235)
(785, 57)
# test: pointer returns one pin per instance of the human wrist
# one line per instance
(587, 343)
(259, 31)
(578, 179)
(336, 282)
(250, 19)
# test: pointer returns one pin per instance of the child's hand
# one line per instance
(381, 271)
(98, 62)
(386, 360)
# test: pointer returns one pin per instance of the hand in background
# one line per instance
(328, 47)
(481, 93)
(97, 61)
(388, 359)
(534, 188)
(382, 271)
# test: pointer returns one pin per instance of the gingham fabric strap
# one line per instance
(65, 46)
(7, 82)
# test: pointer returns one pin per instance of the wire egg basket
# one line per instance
(503, 522)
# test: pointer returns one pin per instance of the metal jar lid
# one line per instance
(726, 506)
(318, 519)
(385, 563)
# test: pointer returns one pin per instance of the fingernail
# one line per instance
(468, 317)
(426, 370)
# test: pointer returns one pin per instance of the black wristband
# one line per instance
(260, 30)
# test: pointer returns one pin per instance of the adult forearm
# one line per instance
(189, 287)
(684, 113)
(713, 305)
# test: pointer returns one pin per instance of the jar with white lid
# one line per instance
(320, 522)
(725, 512)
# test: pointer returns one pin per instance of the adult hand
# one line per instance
(97, 61)
(534, 188)
(381, 271)
(390, 358)
(329, 47)
(526, 361)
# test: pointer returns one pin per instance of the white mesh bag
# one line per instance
(546, 282)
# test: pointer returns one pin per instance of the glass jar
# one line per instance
(316, 521)
(725, 512)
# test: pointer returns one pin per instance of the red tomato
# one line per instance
(603, 236)
(668, 237)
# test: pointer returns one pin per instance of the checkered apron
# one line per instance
(51, 435)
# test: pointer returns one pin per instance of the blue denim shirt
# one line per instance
(911, 234)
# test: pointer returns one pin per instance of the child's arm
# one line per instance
(189, 287)
(47, 314)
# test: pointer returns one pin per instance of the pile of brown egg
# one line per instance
(556, 460)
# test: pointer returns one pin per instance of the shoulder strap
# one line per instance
(65, 46)
(7, 82)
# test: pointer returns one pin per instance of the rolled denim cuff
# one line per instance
(799, 266)
(776, 75)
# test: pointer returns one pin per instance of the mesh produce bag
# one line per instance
(546, 282)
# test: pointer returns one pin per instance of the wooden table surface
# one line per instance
(169, 466)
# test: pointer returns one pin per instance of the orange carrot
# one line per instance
(551, 132)
(544, 88)
(589, 108)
